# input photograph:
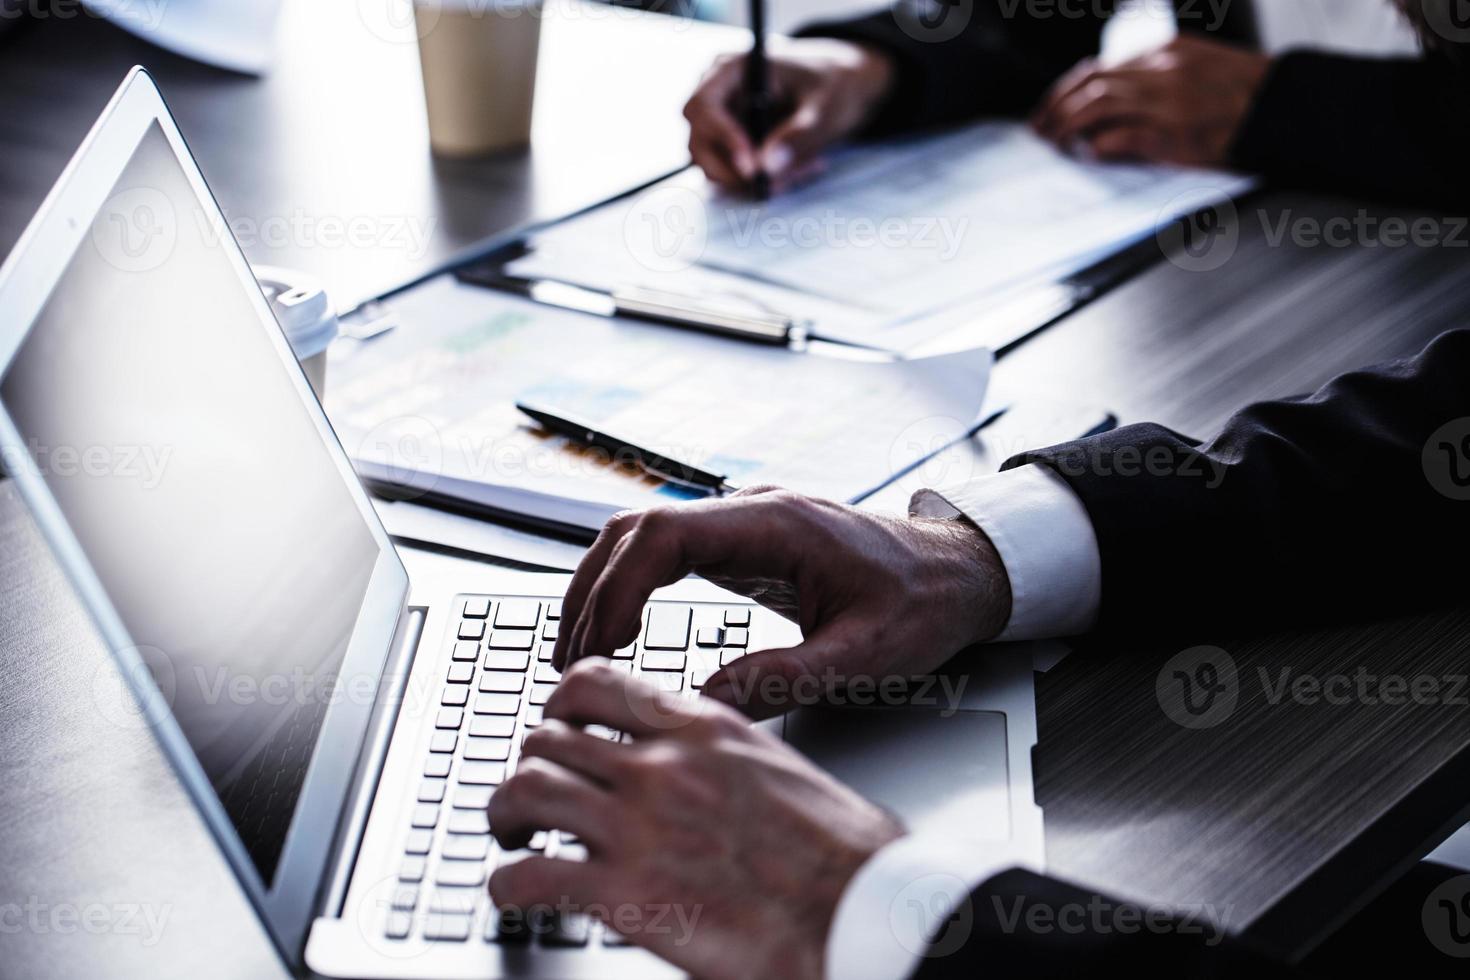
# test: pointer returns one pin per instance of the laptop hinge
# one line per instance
(374, 754)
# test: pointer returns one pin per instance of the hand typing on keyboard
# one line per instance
(875, 596)
(708, 841)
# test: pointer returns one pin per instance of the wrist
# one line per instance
(967, 557)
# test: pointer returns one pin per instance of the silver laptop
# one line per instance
(341, 713)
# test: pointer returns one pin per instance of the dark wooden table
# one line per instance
(1279, 821)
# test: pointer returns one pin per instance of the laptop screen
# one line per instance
(168, 429)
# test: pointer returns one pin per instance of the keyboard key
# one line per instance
(453, 900)
(553, 609)
(518, 614)
(534, 714)
(487, 749)
(545, 651)
(739, 616)
(455, 696)
(492, 726)
(426, 816)
(502, 682)
(571, 852)
(412, 868)
(398, 925)
(728, 657)
(538, 841)
(438, 766)
(547, 674)
(476, 608)
(461, 673)
(482, 773)
(738, 637)
(405, 897)
(471, 798)
(615, 939)
(472, 629)
(699, 676)
(467, 652)
(709, 636)
(541, 693)
(431, 790)
(672, 683)
(419, 842)
(465, 847)
(668, 627)
(464, 873)
(626, 653)
(626, 666)
(449, 718)
(507, 660)
(658, 660)
(469, 821)
(603, 732)
(550, 630)
(497, 704)
(447, 928)
(443, 742)
(567, 930)
(502, 639)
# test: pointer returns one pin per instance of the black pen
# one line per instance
(657, 464)
(758, 94)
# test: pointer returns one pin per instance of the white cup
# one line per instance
(305, 314)
(479, 65)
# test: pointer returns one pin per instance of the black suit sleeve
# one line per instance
(1019, 924)
(1350, 500)
(1393, 129)
(961, 60)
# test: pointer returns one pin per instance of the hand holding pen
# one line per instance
(817, 92)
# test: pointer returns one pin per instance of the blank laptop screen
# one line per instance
(167, 427)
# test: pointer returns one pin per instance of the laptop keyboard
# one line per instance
(497, 684)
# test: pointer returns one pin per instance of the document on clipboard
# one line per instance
(435, 398)
(893, 245)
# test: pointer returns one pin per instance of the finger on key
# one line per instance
(544, 796)
(587, 755)
(595, 694)
(586, 574)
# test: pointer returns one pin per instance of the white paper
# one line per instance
(888, 237)
(438, 394)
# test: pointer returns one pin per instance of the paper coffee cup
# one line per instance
(479, 65)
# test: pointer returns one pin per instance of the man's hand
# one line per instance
(1181, 104)
(826, 89)
(709, 842)
(874, 596)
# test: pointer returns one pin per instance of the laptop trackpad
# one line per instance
(935, 772)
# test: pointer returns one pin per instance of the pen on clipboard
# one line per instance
(758, 94)
(665, 468)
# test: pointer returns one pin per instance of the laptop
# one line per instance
(341, 712)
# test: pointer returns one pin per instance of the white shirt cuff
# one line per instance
(1045, 540)
(899, 900)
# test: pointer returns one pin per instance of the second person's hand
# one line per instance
(823, 90)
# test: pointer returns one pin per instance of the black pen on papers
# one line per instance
(672, 470)
(758, 95)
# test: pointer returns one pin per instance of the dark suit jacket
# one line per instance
(1395, 129)
(1351, 501)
